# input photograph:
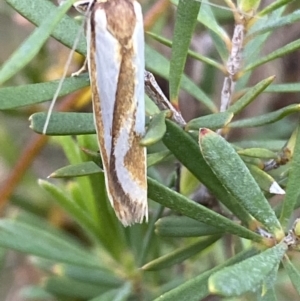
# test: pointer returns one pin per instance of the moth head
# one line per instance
(84, 5)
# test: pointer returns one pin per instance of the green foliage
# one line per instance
(226, 238)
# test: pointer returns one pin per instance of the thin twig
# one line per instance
(155, 93)
(233, 66)
(159, 8)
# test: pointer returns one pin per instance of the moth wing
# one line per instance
(107, 61)
(130, 160)
(119, 130)
(139, 61)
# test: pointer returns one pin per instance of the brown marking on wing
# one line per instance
(135, 160)
(124, 117)
(121, 19)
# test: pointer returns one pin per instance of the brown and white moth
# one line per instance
(115, 41)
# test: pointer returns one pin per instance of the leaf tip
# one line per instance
(276, 189)
(58, 269)
(144, 267)
(272, 77)
(42, 183)
(204, 131)
(279, 234)
(211, 286)
(30, 119)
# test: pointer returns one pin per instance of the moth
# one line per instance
(115, 40)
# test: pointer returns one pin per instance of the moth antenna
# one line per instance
(224, 7)
(213, 4)
(68, 63)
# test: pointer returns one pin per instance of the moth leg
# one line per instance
(83, 69)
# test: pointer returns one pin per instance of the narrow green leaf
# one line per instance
(211, 121)
(250, 95)
(275, 5)
(77, 170)
(252, 161)
(182, 226)
(156, 129)
(218, 34)
(268, 295)
(34, 43)
(180, 254)
(63, 286)
(273, 144)
(15, 97)
(192, 54)
(266, 118)
(207, 18)
(34, 292)
(180, 144)
(264, 180)
(71, 207)
(235, 176)
(149, 236)
(293, 273)
(158, 157)
(221, 47)
(37, 222)
(185, 23)
(100, 209)
(81, 190)
(160, 65)
(274, 24)
(247, 275)
(283, 88)
(292, 189)
(66, 31)
(28, 239)
(252, 50)
(293, 46)
(268, 284)
(121, 294)
(256, 152)
(64, 123)
(173, 200)
(96, 275)
(196, 289)
(188, 183)
(248, 6)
